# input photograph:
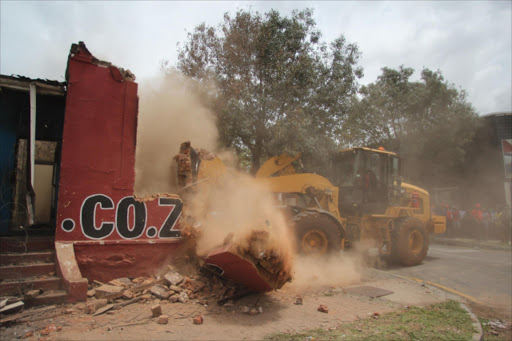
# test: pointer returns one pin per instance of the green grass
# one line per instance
(443, 321)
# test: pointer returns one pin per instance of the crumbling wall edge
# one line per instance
(68, 270)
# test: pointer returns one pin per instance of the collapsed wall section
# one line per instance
(114, 234)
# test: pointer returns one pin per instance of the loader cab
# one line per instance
(369, 180)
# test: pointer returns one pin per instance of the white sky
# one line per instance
(469, 41)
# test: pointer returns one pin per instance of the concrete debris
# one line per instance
(173, 299)
(298, 300)
(175, 288)
(128, 294)
(31, 294)
(173, 278)
(121, 282)
(163, 319)
(183, 297)
(12, 308)
(497, 324)
(254, 311)
(103, 309)
(138, 280)
(91, 293)
(107, 290)
(198, 319)
(160, 291)
(92, 306)
(323, 308)
(156, 310)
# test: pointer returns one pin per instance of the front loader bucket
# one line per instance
(237, 269)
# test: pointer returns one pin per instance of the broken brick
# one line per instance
(163, 319)
(198, 320)
(323, 308)
(156, 310)
(173, 298)
(128, 294)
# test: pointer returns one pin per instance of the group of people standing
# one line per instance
(476, 222)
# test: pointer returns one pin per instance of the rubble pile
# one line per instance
(272, 265)
(172, 286)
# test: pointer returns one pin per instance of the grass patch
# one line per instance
(442, 321)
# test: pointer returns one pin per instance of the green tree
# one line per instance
(429, 122)
(280, 89)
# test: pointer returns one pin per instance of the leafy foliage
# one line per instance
(428, 121)
(280, 89)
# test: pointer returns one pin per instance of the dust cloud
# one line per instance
(233, 209)
(336, 270)
(236, 206)
(171, 111)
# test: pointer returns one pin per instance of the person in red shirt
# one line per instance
(476, 213)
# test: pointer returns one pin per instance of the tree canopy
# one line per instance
(279, 87)
(429, 122)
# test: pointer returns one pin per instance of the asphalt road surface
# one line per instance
(484, 276)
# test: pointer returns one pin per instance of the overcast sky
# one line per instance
(469, 41)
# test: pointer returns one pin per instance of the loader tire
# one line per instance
(409, 242)
(317, 233)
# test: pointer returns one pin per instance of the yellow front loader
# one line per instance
(362, 199)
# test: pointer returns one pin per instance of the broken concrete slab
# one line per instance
(160, 291)
(107, 290)
(173, 278)
(12, 308)
(103, 309)
(121, 282)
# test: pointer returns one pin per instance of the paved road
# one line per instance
(485, 275)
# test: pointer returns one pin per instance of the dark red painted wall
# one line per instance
(96, 209)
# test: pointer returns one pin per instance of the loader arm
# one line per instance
(322, 190)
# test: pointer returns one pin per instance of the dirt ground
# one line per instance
(273, 312)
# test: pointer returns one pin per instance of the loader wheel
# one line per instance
(317, 233)
(410, 242)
